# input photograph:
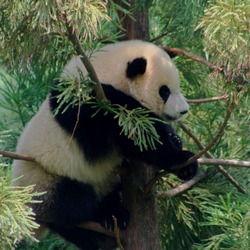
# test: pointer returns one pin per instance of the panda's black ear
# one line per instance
(172, 54)
(136, 67)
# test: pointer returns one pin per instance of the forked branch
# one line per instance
(208, 154)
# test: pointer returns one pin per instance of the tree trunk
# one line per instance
(143, 231)
(138, 27)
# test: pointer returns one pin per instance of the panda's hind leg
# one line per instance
(85, 239)
(67, 203)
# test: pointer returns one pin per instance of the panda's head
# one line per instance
(145, 72)
(141, 70)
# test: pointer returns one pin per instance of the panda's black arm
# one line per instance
(166, 154)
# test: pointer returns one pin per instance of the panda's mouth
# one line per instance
(170, 118)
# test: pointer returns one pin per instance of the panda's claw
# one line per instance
(176, 140)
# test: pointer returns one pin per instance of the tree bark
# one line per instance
(138, 26)
(143, 231)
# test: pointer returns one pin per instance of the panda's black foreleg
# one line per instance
(69, 203)
(167, 154)
(111, 206)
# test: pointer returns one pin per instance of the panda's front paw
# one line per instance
(176, 140)
(120, 214)
(188, 172)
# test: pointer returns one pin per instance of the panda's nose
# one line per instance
(183, 112)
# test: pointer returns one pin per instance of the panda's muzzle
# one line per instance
(175, 118)
(169, 118)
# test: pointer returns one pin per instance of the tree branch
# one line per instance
(73, 37)
(216, 137)
(203, 161)
(16, 156)
(204, 150)
(208, 154)
(222, 162)
(193, 57)
(151, 183)
(211, 99)
(183, 187)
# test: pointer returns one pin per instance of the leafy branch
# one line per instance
(136, 124)
(139, 126)
(73, 37)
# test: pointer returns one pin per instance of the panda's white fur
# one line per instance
(61, 161)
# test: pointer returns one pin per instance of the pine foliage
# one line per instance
(227, 35)
(40, 25)
(16, 218)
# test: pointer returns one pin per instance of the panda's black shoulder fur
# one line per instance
(93, 133)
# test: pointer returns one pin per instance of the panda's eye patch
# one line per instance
(164, 92)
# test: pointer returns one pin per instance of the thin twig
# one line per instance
(216, 137)
(96, 227)
(159, 36)
(211, 99)
(16, 156)
(78, 113)
(117, 234)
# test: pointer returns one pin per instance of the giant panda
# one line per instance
(78, 173)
